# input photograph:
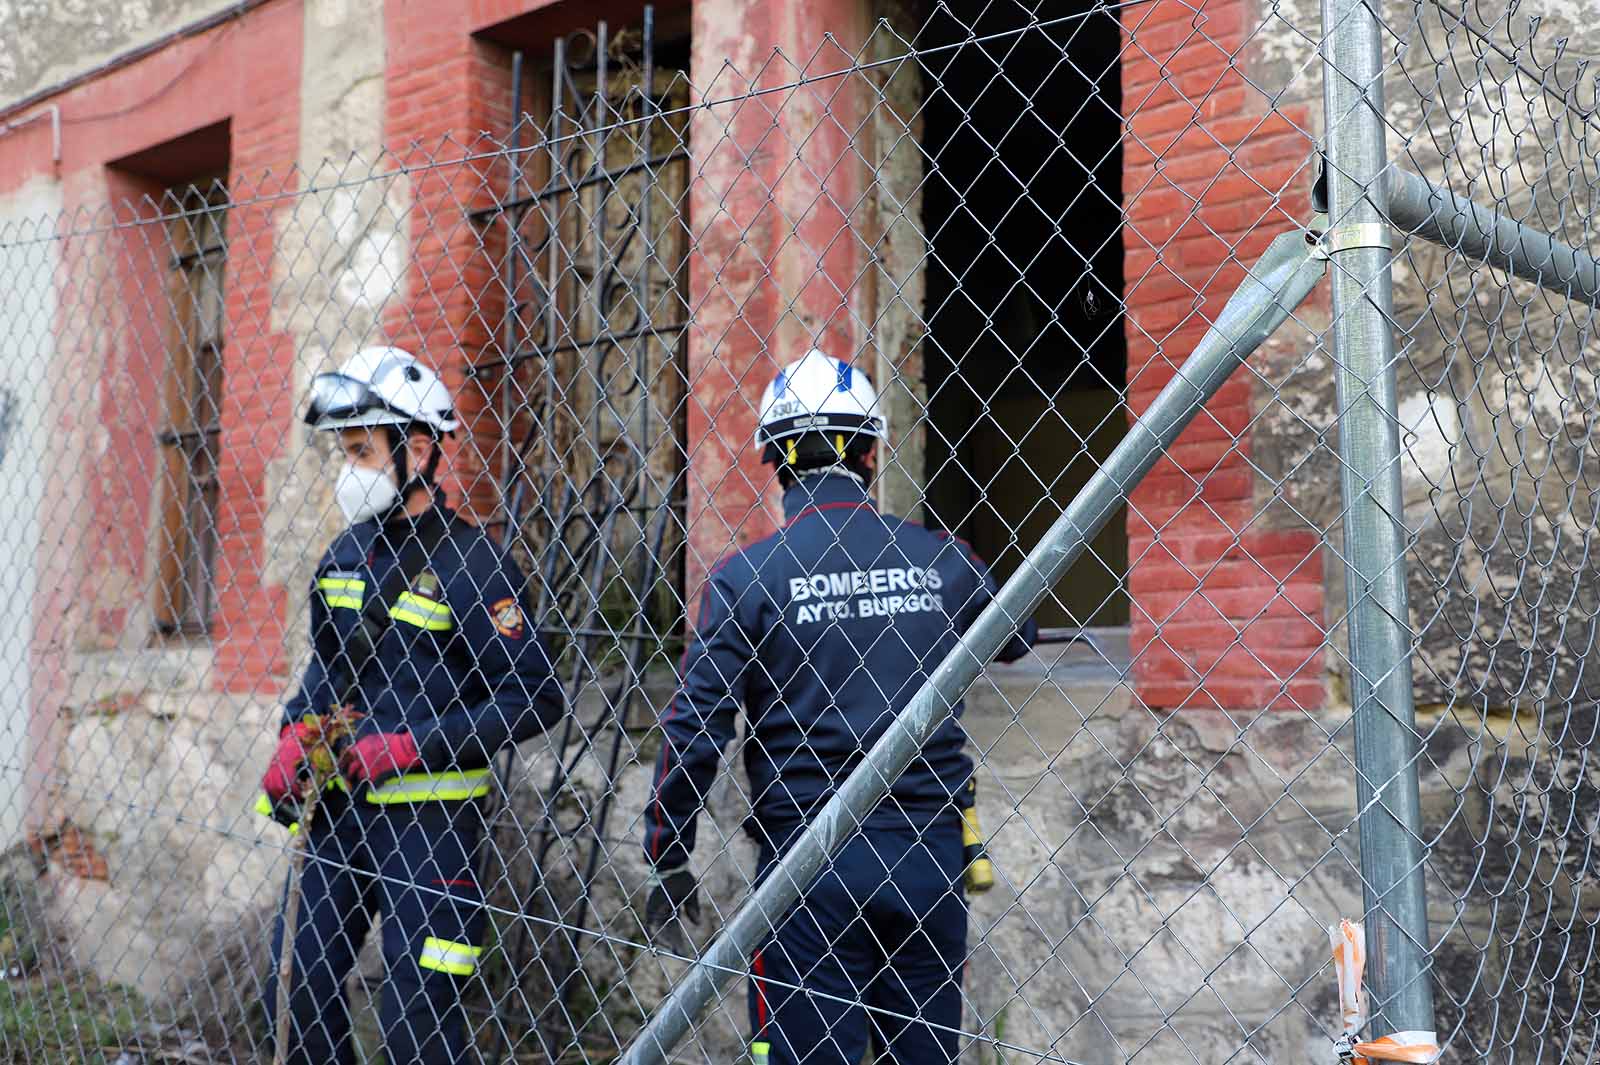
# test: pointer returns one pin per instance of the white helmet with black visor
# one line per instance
(384, 388)
(381, 386)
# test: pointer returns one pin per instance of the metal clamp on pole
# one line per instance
(1360, 235)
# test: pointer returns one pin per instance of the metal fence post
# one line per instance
(1374, 532)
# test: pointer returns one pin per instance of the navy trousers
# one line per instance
(413, 863)
(874, 951)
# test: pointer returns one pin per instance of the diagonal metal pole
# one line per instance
(1275, 286)
(1374, 530)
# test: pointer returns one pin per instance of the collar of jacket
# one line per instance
(397, 531)
(832, 491)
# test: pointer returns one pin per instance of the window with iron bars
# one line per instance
(187, 544)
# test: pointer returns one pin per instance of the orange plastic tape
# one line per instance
(1420, 1047)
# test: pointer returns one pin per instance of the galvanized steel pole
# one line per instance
(1277, 284)
(1374, 531)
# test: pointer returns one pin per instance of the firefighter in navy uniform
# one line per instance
(417, 620)
(821, 633)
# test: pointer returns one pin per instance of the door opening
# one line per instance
(1025, 357)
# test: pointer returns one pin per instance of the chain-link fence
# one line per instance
(1231, 365)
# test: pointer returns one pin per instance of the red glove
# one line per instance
(282, 779)
(375, 758)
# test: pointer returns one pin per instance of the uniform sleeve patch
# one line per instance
(507, 615)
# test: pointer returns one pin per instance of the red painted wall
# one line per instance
(774, 269)
(442, 89)
(1225, 613)
(112, 328)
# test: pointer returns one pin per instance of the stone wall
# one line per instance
(159, 775)
(1165, 881)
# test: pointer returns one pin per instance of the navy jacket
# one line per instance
(822, 632)
(459, 665)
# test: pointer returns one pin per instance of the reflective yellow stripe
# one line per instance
(425, 787)
(442, 955)
(343, 591)
(759, 1052)
(264, 804)
(980, 871)
(423, 613)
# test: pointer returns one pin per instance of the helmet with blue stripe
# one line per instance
(819, 406)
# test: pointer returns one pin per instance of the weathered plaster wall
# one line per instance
(1496, 410)
(155, 766)
(339, 260)
(1497, 387)
(894, 230)
(43, 42)
(29, 261)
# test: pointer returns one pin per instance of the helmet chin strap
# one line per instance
(399, 449)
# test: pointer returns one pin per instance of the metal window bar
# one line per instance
(579, 526)
(186, 593)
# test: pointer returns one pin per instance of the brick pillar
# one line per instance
(772, 212)
(1226, 608)
(444, 89)
(257, 358)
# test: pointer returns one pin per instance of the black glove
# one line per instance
(673, 895)
(287, 813)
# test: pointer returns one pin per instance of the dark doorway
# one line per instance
(1025, 359)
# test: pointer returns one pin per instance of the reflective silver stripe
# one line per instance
(425, 787)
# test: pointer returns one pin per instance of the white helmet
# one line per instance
(818, 394)
(380, 386)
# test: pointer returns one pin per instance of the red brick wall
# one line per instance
(1225, 612)
(259, 403)
(448, 98)
(1207, 180)
(443, 88)
(129, 355)
(112, 332)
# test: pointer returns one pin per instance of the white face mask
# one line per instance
(364, 493)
